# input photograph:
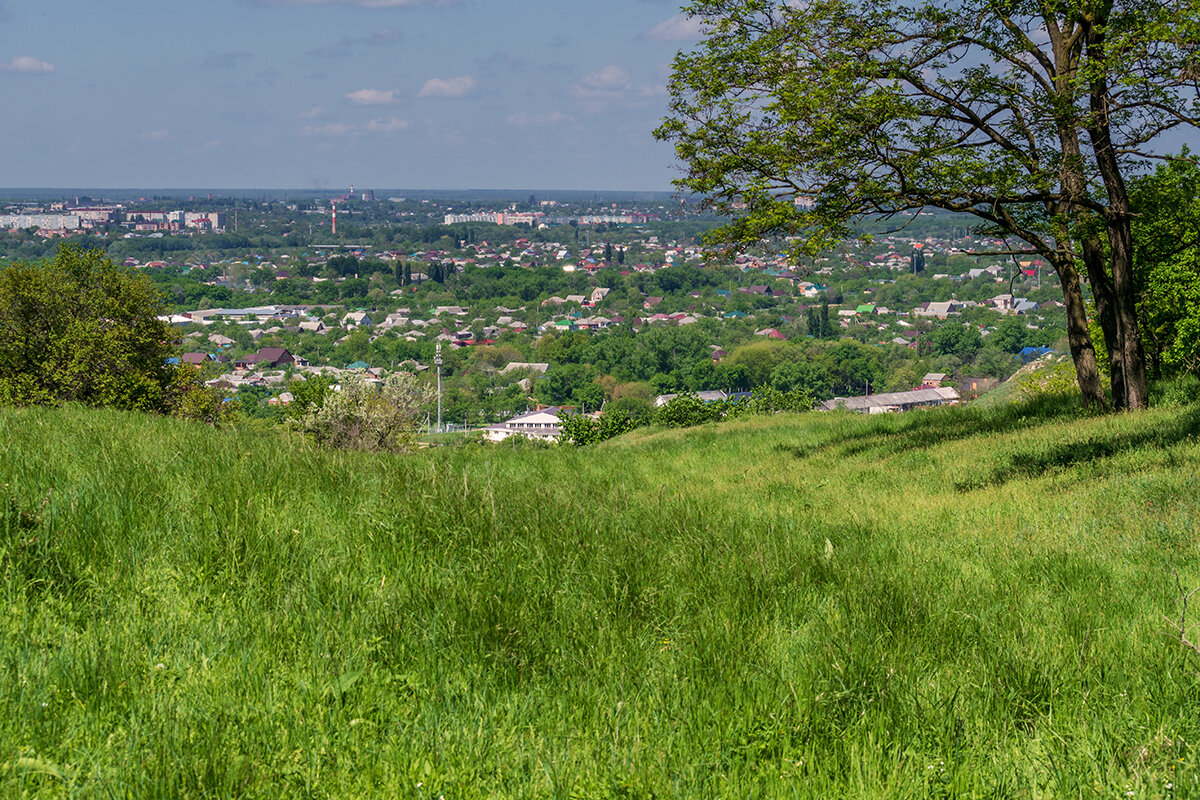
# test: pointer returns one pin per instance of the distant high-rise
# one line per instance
(368, 196)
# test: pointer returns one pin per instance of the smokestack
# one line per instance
(334, 218)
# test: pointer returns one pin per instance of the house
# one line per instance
(1028, 354)
(971, 388)
(651, 302)
(758, 289)
(893, 401)
(512, 365)
(933, 380)
(771, 333)
(267, 357)
(543, 424)
(195, 359)
(357, 319)
(941, 310)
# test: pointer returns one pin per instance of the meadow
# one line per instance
(953, 603)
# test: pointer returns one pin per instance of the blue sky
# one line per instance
(422, 94)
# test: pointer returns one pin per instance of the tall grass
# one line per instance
(949, 603)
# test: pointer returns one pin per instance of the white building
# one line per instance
(53, 222)
(543, 424)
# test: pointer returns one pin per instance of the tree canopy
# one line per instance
(803, 118)
(79, 328)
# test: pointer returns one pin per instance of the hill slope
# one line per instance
(947, 602)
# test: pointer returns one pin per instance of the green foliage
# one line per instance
(1167, 263)
(362, 416)
(189, 398)
(687, 409)
(768, 401)
(952, 339)
(582, 429)
(1053, 378)
(308, 394)
(81, 329)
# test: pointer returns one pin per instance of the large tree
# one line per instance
(802, 118)
(81, 329)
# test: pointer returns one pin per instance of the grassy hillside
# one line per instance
(949, 603)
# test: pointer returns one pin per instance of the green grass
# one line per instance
(955, 603)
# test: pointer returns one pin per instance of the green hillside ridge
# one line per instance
(958, 602)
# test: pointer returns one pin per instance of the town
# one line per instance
(607, 301)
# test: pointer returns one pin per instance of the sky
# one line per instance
(321, 94)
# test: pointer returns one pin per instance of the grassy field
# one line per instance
(955, 603)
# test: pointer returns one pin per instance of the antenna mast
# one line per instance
(437, 359)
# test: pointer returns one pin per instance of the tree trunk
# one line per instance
(1119, 223)
(1083, 352)
(1102, 296)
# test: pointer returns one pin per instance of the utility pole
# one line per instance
(437, 359)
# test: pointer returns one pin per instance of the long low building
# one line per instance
(542, 424)
(893, 401)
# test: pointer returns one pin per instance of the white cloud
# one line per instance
(679, 28)
(609, 83)
(332, 129)
(372, 97)
(159, 135)
(447, 87)
(611, 78)
(27, 64)
(523, 120)
(387, 125)
(346, 129)
(312, 113)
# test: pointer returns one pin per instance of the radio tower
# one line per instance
(437, 359)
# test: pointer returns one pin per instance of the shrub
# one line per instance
(580, 429)
(686, 410)
(1056, 377)
(189, 398)
(362, 416)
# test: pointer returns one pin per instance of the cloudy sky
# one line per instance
(422, 94)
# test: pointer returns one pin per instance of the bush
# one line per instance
(581, 429)
(364, 417)
(189, 398)
(686, 410)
